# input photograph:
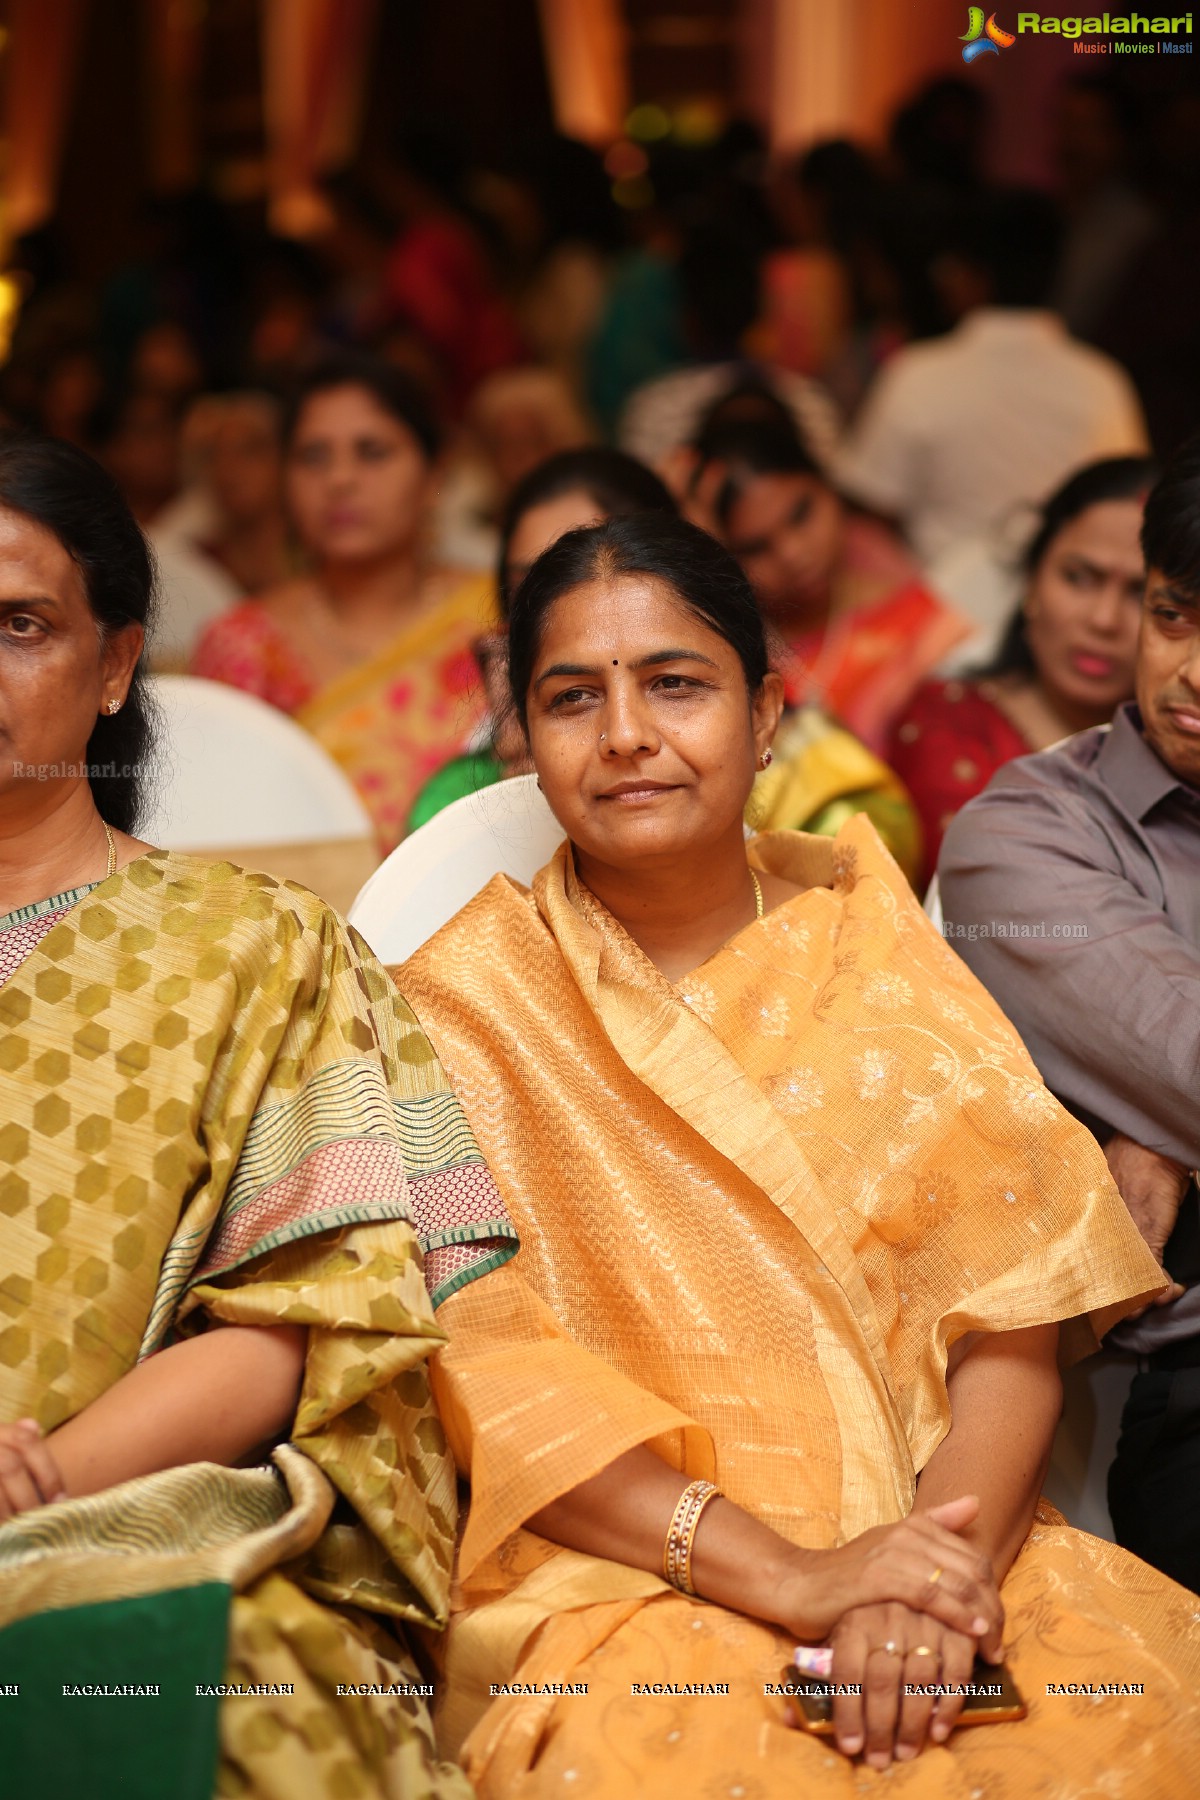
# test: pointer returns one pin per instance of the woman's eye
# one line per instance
(676, 684)
(374, 450)
(569, 697)
(312, 456)
(22, 625)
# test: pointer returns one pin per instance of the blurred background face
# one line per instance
(542, 526)
(143, 452)
(786, 531)
(245, 464)
(357, 478)
(1083, 608)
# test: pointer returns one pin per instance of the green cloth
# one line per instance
(115, 1747)
(462, 775)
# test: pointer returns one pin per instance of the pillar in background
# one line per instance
(314, 69)
(832, 68)
(586, 59)
(173, 40)
(40, 59)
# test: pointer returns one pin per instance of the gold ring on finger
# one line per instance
(922, 1650)
(936, 1577)
(891, 1648)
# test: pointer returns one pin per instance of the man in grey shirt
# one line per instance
(1071, 886)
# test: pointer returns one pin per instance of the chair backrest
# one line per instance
(232, 770)
(506, 829)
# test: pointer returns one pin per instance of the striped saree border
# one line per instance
(344, 1152)
(463, 1224)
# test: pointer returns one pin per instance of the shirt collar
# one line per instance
(1136, 774)
(1012, 321)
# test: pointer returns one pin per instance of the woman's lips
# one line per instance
(1095, 668)
(644, 791)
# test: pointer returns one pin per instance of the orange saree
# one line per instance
(755, 1210)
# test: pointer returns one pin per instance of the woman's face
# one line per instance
(1083, 609)
(786, 531)
(56, 677)
(540, 526)
(357, 479)
(245, 465)
(641, 729)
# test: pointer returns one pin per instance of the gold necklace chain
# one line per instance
(758, 895)
(112, 851)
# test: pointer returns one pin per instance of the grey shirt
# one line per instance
(1071, 886)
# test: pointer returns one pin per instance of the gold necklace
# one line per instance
(112, 851)
(758, 897)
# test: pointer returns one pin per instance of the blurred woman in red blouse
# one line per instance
(1066, 662)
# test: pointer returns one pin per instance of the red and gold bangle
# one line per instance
(677, 1550)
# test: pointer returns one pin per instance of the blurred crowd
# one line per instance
(868, 371)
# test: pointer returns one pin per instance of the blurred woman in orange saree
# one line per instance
(370, 650)
(797, 1217)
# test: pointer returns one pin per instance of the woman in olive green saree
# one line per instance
(223, 1486)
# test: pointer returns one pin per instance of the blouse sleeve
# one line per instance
(530, 1414)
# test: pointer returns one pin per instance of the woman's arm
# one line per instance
(1005, 1401)
(623, 1514)
(210, 1398)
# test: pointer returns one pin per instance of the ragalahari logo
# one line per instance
(980, 39)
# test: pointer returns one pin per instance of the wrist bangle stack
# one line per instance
(677, 1551)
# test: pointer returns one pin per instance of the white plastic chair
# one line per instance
(235, 777)
(506, 829)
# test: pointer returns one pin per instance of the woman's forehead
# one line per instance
(30, 553)
(626, 616)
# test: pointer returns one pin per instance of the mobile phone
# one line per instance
(812, 1701)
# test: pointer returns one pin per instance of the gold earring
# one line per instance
(765, 760)
(114, 706)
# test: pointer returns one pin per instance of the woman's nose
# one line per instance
(628, 724)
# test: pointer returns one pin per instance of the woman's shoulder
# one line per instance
(474, 950)
(247, 647)
(953, 709)
(205, 895)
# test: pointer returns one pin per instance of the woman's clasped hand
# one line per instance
(904, 1606)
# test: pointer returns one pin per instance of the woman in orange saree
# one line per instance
(370, 651)
(798, 1218)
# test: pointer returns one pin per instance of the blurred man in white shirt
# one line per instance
(959, 431)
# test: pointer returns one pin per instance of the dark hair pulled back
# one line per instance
(391, 388)
(748, 448)
(706, 579)
(617, 484)
(67, 493)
